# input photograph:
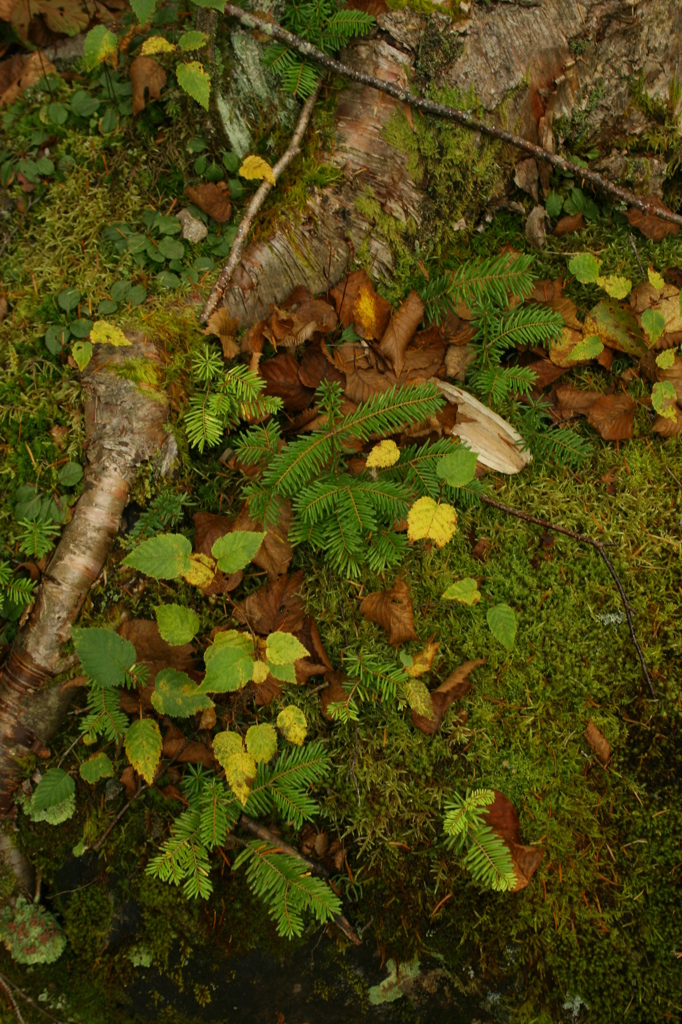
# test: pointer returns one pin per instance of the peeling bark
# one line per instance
(124, 426)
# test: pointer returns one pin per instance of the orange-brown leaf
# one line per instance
(453, 688)
(649, 224)
(401, 330)
(212, 198)
(146, 76)
(598, 742)
(392, 610)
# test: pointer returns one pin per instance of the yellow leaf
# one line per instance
(201, 570)
(666, 359)
(104, 333)
(422, 661)
(225, 744)
(428, 521)
(384, 454)
(616, 287)
(655, 279)
(292, 723)
(260, 672)
(419, 699)
(240, 771)
(156, 44)
(256, 168)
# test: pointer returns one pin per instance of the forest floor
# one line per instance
(594, 936)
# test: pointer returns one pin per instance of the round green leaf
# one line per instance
(585, 267)
(143, 746)
(192, 40)
(106, 307)
(195, 82)
(120, 291)
(104, 655)
(138, 293)
(83, 104)
(196, 145)
(55, 338)
(458, 468)
(171, 248)
(261, 741)
(167, 225)
(68, 299)
(54, 788)
(553, 204)
(227, 668)
(200, 164)
(109, 121)
(214, 173)
(70, 474)
(465, 591)
(136, 242)
(177, 695)
(284, 649)
(664, 399)
(235, 550)
(96, 767)
(502, 622)
(45, 166)
(292, 724)
(81, 328)
(202, 263)
(177, 625)
(164, 558)
(232, 162)
(168, 280)
(100, 43)
(57, 113)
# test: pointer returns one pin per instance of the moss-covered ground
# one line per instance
(596, 935)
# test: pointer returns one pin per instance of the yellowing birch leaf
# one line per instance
(225, 744)
(419, 699)
(292, 724)
(420, 663)
(655, 279)
(240, 771)
(465, 591)
(195, 82)
(255, 168)
(201, 570)
(260, 672)
(663, 399)
(261, 741)
(428, 521)
(104, 333)
(382, 455)
(666, 359)
(616, 287)
(588, 348)
(143, 747)
(156, 44)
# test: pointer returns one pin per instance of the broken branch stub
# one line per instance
(124, 426)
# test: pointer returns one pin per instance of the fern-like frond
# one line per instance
(104, 717)
(494, 279)
(487, 855)
(183, 858)
(524, 325)
(437, 298)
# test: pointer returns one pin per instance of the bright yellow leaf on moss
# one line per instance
(201, 570)
(428, 521)
(421, 662)
(260, 672)
(655, 279)
(240, 771)
(104, 333)
(225, 744)
(156, 44)
(255, 168)
(384, 454)
(419, 699)
(292, 724)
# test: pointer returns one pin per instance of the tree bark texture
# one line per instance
(557, 72)
(124, 426)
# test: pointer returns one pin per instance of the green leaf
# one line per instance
(68, 299)
(285, 673)
(109, 121)
(57, 113)
(143, 746)
(104, 655)
(227, 668)
(587, 348)
(143, 10)
(70, 474)
(225, 744)
(655, 279)
(82, 353)
(284, 649)
(616, 327)
(56, 338)
(553, 204)
(292, 724)
(653, 323)
(235, 550)
(45, 166)
(171, 248)
(177, 625)
(100, 43)
(664, 399)
(192, 40)
(585, 267)
(164, 558)
(502, 622)
(167, 279)
(177, 695)
(195, 82)
(96, 767)
(231, 161)
(261, 741)
(458, 468)
(83, 104)
(465, 591)
(419, 698)
(54, 788)
(666, 359)
(81, 328)
(106, 307)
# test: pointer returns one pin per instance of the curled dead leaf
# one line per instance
(453, 688)
(278, 605)
(175, 746)
(146, 76)
(613, 416)
(283, 381)
(401, 330)
(598, 742)
(392, 610)
(212, 198)
(649, 224)
(503, 819)
(567, 225)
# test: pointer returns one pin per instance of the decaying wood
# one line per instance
(495, 441)
(467, 120)
(124, 426)
(292, 150)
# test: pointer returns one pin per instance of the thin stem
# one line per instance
(253, 21)
(599, 546)
(12, 1000)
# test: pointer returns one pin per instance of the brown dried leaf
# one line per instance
(503, 819)
(546, 373)
(567, 225)
(392, 610)
(345, 294)
(278, 605)
(221, 323)
(373, 7)
(155, 653)
(275, 553)
(598, 742)
(526, 177)
(212, 198)
(252, 340)
(667, 427)
(316, 366)
(21, 77)
(400, 331)
(649, 224)
(571, 401)
(127, 778)
(175, 746)
(453, 688)
(334, 693)
(265, 693)
(283, 381)
(208, 529)
(457, 358)
(147, 75)
(613, 416)
(208, 719)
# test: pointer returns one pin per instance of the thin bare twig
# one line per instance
(253, 21)
(261, 832)
(598, 545)
(292, 150)
(8, 990)
(7, 985)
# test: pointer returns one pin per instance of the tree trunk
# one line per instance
(559, 73)
(124, 426)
